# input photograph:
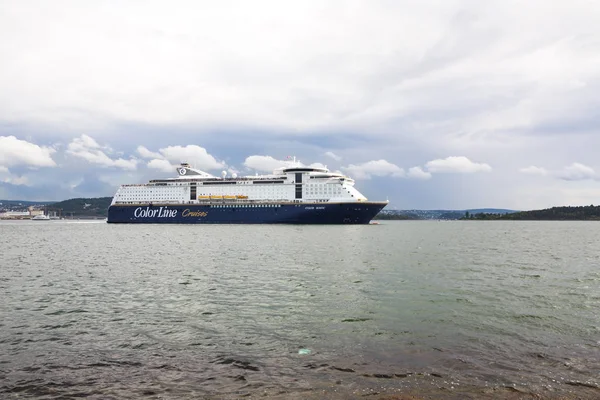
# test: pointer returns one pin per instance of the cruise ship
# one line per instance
(295, 194)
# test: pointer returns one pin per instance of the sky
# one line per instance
(431, 104)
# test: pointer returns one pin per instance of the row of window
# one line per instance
(247, 206)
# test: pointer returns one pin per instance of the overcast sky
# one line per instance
(430, 104)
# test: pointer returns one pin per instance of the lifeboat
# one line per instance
(202, 197)
(241, 197)
(227, 197)
(216, 197)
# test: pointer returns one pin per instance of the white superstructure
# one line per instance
(295, 183)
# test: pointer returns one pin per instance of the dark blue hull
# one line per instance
(274, 213)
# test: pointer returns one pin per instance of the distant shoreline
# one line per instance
(563, 213)
(96, 208)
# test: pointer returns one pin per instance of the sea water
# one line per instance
(225, 311)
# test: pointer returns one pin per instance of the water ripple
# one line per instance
(104, 311)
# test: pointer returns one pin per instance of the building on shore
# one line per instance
(30, 213)
(15, 215)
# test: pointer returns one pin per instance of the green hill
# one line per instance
(581, 213)
(21, 203)
(94, 207)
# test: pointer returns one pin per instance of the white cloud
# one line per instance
(193, 154)
(88, 149)
(352, 68)
(573, 172)
(318, 165)
(7, 177)
(161, 165)
(86, 141)
(533, 170)
(233, 170)
(577, 172)
(145, 153)
(169, 156)
(17, 180)
(456, 164)
(418, 173)
(16, 152)
(264, 163)
(333, 155)
(373, 168)
(130, 164)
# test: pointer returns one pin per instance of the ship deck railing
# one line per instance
(215, 179)
(223, 201)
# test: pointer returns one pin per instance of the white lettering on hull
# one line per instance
(161, 212)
